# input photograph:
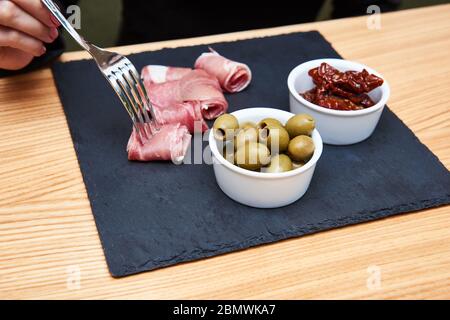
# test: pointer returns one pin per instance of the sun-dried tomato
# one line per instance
(341, 90)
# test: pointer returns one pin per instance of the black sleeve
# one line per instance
(54, 50)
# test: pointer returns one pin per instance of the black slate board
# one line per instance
(151, 215)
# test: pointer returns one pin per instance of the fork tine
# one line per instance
(138, 96)
(117, 88)
(142, 92)
(127, 88)
(142, 104)
(133, 95)
(115, 82)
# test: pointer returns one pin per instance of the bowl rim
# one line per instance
(318, 143)
(385, 89)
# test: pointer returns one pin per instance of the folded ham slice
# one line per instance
(198, 85)
(196, 88)
(188, 114)
(233, 76)
(159, 74)
(170, 108)
(169, 143)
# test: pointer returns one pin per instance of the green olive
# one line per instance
(252, 156)
(225, 126)
(297, 165)
(248, 124)
(269, 122)
(276, 138)
(279, 163)
(301, 148)
(301, 124)
(245, 135)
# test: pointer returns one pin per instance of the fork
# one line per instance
(122, 76)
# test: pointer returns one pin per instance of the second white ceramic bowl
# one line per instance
(335, 126)
(258, 189)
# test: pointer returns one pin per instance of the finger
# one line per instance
(38, 10)
(14, 17)
(14, 59)
(19, 40)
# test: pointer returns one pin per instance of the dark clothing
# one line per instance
(155, 20)
(147, 20)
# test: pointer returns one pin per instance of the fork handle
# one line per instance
(66, 24)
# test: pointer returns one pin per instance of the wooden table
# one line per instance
(47, 231)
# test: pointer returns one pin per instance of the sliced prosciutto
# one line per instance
(169, 106)
(233, 76)
(170, 142)
(196, 88)
(159, 74)
(188, 114)
(198, 85)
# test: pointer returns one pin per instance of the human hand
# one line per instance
(25, 27)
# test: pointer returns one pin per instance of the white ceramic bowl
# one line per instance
(257, 189)
(336, 126)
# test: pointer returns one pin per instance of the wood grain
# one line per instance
(47, 229)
